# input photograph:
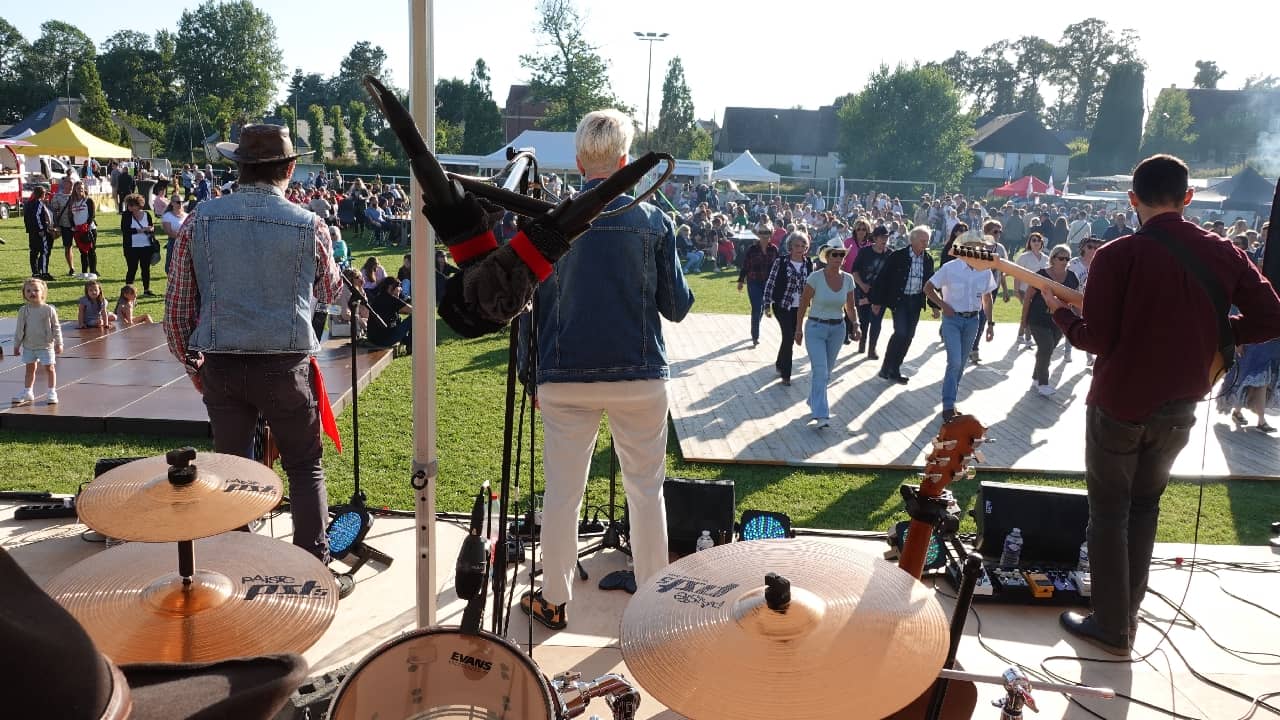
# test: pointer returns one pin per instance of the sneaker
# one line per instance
(26, 397)
(552, 616)
(52, 398)
(974, 358)
(346, 583)
(1046, 390)
(823, 422)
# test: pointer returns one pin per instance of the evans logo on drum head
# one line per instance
(470, 662)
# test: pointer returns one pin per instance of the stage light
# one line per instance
(934, 558)
(764, 525)
(347, 529)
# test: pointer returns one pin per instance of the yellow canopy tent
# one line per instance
(67, 138)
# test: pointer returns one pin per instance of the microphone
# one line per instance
(469, 573)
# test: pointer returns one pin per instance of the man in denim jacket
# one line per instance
(600, 350)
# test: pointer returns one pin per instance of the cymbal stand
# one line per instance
(964, 600)
(1018, 690)
(617, 535)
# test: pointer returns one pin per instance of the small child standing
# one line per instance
(124, 307)
(39, 336)
(93, 307)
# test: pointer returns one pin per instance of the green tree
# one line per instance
(95, 116)
(1169, 124)
(307, 89)
(339, 132)
(289, 118)
(482, 131)
(1207, 74)
(154, 129)
(448, 137)
(364, 58)
(452, 98)
(906, 125)
(1261, 82)
(1085, 56)
(15, 95)
(359, 140)
(50, 66)
(1078, 162)
(1113, 146)
(228, 50)
(678, 132)
(136, 76)
(315, 130)
(570, 76)
(1037, 169)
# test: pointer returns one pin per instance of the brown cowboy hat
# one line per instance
(261, 143)
(50, 656)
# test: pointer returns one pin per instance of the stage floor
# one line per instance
(383, 607)
(729, 406)
(126, 381)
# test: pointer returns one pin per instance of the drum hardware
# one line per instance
(574, 695)
(1018, 690)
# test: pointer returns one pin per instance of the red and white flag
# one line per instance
(1049, 190)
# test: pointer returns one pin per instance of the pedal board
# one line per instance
(1031, 585)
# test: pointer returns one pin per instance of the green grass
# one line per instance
(471, 381)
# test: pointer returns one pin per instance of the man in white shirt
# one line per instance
(1078, 230)
(964, 294)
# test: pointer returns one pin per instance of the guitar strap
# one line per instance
(1221, 309)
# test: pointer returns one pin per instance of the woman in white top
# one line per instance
(137, 229)
(828, 297)
(174, 215)
(1035, 259)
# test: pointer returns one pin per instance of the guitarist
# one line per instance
(1152, 324)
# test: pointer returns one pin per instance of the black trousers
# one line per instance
(870, 323)
(1046, 337)
(237, 388)
(786, 318)
(38, 253)
(906, 316)
(1126, 470)
(135, 257)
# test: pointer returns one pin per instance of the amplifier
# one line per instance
(694, 506)
(1053, 522)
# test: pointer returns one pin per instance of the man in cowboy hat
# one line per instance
(238, 316)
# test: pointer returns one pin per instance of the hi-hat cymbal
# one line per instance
(858, 639)
(137, 501)
(250, 595)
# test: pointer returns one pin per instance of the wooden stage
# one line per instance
(729, 406)
(126, 381)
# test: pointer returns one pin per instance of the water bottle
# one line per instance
(1012, 553)
(704, 541)
(1083, 564)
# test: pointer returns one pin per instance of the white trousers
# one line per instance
(571, 412)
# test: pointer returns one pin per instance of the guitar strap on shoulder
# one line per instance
(1213, 288)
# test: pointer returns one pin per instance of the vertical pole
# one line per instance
(422, 102)
(648, 87)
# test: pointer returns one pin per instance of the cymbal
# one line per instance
(137, 501)
(249, 595)
(858, 639)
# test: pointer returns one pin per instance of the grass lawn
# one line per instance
(471, 381)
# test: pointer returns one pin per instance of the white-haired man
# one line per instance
(600, 351)
(900, 287)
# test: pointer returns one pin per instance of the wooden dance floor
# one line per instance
(126, 381)
(729, 406)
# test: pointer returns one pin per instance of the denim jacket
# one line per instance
(598, 312)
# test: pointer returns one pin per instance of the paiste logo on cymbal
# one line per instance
(238, 485)
(260, 585)
(694, 590)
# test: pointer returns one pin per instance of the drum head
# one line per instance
(442, 674)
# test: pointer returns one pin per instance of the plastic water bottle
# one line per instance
(1083, 564)
(1011, 555)
(705, 542)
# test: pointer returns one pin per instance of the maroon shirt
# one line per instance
(1151, 323)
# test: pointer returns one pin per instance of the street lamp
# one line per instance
(651, 38)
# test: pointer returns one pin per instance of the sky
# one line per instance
(749, 53)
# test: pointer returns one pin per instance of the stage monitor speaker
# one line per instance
(697, 505)
(105, 464)
(1052, 519)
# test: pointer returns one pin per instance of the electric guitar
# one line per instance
(953, 451)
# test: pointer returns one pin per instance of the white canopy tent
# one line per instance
(554, 151)
(745, 168)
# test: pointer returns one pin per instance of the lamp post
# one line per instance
(651, 38)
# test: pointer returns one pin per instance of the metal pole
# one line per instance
(422, 103)
(648, 87)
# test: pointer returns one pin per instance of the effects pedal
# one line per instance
(1083, 583)
(1009, 578)
(1039, 583)
(1061, 580)
(66, 508)
(983, 586)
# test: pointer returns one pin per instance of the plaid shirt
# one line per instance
(795, 281)
(182, 297)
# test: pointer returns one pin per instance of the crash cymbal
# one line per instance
(249, 595)
(859, 638)
(138, 501)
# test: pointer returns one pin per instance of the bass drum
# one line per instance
(444, 674)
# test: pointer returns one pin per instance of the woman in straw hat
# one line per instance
(828, 298)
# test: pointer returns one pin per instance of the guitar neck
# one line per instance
(1075, 298)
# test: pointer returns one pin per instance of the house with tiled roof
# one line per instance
(1006, 144)
(805, 141)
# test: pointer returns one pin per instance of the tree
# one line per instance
(364, 58)
(307, 89)
(678, 132)
(1261, 82)
(1038, 170)
(906, 124)
(1207, 74)
(315, 130)
(228, 50)
(339, 132)
(1078, 162)
(289, 117)
(135, 75)
(571, 76)
(15, 97)
(1088, 51)
(448, 137)
(452, 97)
(359, 140)
(1113, 146)
(95, 116)
(56, 55)
(482, 122)
(1169, 125)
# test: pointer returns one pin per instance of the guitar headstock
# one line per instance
(954, 452)
(976, 253)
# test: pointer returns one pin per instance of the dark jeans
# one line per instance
(237, 388)
(982, 322)
(869, 322)
(755, 293)
(1126, 470)
(1046, 337)
(138, 256)
(89, 261)
(38, 247)
(786, 318)
(906, 315)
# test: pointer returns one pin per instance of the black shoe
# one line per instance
(949, 413)
(1084, 626)
(872, 355)
(148, 293)
(346, 583)
(900, 379)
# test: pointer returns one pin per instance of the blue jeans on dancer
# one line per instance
(822, 338)
(755, 293)
(958, 334)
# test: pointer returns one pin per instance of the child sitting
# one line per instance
(38, 336)
(124, 308)
(93, 308)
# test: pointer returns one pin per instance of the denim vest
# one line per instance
(254, 255)
(598, 312)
